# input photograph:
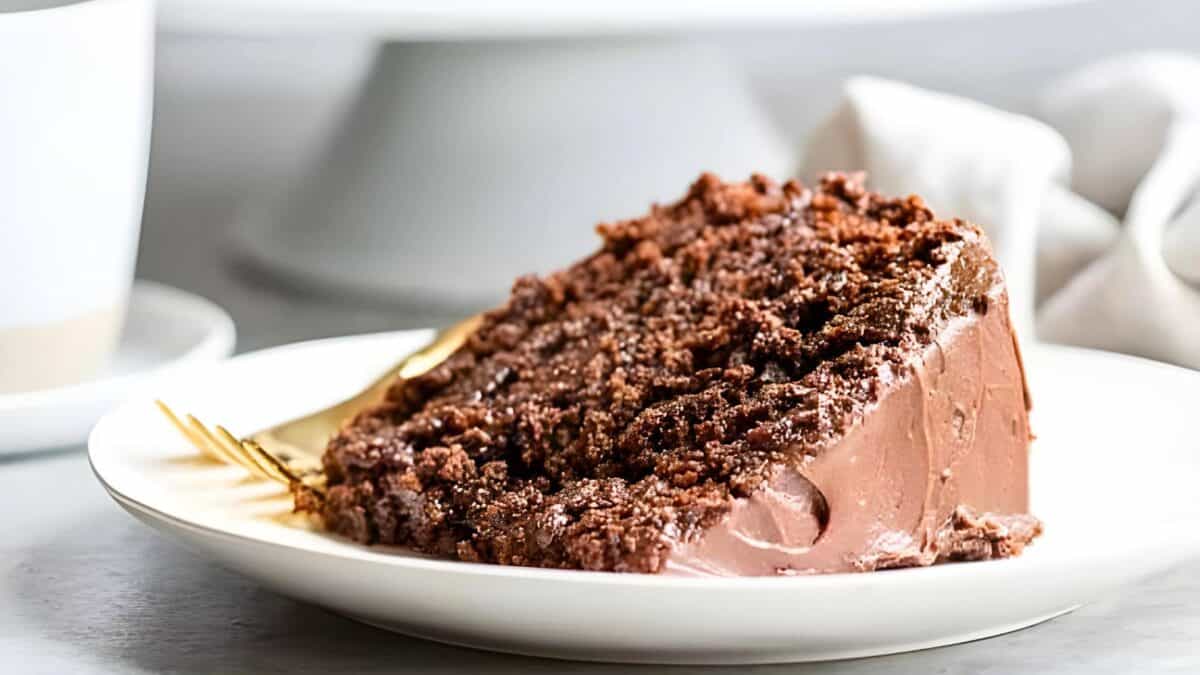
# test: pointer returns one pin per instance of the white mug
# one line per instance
(76, 80)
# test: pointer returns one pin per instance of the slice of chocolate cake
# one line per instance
(759, 379)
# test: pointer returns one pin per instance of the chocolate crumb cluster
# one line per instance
(613, 408)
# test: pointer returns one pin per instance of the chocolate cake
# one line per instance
(757, 379)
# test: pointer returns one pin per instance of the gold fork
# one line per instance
(290, 452)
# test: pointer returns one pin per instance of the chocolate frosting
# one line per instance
(947, 441)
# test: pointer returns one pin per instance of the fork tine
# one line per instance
(229, 444)
(293, 475)
(262, 467)
(261, 455)
(200, 431)
(223, 446)
(233, 446)
(211, 440)
(192, 437)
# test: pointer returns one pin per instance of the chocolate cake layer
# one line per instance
(757, 379)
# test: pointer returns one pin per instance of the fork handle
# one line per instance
(305, 437)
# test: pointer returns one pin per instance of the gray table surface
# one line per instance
(86, 589)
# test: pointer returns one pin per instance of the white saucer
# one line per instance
(1114, 470)
(167, 332)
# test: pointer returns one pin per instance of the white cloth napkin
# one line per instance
(1091, 210)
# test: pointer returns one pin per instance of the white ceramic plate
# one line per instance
(1114, 472)
(167, 332)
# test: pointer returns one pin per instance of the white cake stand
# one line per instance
(485, 145)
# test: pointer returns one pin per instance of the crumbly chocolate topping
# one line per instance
(614, 407)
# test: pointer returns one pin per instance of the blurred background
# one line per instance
(332, 167)
(241, 117)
